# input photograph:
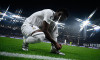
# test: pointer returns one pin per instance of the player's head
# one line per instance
(61, 12)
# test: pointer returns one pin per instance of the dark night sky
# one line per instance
(77, 8)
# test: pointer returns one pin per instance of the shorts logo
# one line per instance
(33, 27)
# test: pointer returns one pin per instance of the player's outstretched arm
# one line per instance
(48, 36)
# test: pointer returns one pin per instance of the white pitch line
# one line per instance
(31, 56)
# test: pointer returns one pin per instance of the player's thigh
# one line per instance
(27, 30)
(40, 36)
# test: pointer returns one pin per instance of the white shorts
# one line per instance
(36, 37)
(27, 30)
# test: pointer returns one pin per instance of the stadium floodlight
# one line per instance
(84, 23)
(12, 16)
(91, 14)
(16, 16)
(4, 14)
(97, 28)
(90, 29)
(60, 25)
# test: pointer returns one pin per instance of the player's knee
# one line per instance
(41, 37)
(36, 38)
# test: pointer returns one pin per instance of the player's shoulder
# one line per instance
(48, 10)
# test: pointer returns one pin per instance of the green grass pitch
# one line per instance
(72, 52)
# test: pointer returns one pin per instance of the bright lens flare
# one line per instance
(60, 25)
(84, 23)
(97, 28)
(57, 23)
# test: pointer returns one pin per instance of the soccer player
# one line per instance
(41, 25)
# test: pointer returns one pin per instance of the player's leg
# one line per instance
(33, 35)
(24, 45)
(35, 38)
(54, 34)
(26, 30)
(54, 50)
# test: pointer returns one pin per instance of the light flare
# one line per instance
(84, 23)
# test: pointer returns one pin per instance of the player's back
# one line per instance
(38, 17)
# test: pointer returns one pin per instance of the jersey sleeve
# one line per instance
(48, 16)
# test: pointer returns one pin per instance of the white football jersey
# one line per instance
(38, 17)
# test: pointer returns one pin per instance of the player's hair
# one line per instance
(64, 10)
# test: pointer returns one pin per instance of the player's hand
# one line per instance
(58, 46)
